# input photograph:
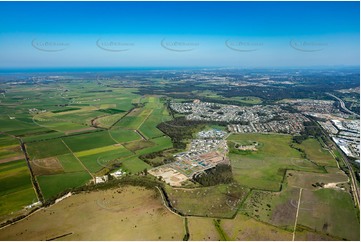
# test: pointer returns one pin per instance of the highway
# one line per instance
(354, 186)
(343, 105)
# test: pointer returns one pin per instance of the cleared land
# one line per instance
(274, 208)
(316, 153)
(217, 201)
(330, 211)
(243, 228)
(128, 213)
(202, 229)
(265, 167)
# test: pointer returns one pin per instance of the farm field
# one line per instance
(16, 187)
(159, 114)
(89, 141)
(64, 145)
(134, 165)
(10, 149)
(265, 167)
(96, 162)
(126, 213)
(44, 149)
(161, 143)
(77, 130)
(70, 163)
(124, 135)
(51, 185)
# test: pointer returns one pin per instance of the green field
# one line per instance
(316, 153)
(77, 128)
(16, 187)
(70, 163)
(148, 128)
(98, 150)
(134, 165)
(89, 141)
(53, 184)
(124, 135)
(96, 162)
(9, 149)
(49, 148)
(330, 211)
(265, 168)
(161, 143)
(134, 119)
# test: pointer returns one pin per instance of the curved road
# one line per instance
(343, 106)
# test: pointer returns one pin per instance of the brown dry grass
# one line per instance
(128, 213)
(46, 166)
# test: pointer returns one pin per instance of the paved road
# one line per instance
(343, 104)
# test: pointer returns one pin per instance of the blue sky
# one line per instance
(234, 34)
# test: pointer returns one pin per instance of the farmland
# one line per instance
(74, 132)
(265, 167)
(16, 188)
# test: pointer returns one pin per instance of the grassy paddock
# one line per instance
(16, 187)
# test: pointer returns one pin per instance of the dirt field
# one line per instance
(128, 213)
(169, 175)
(46, 166)
(12, 159)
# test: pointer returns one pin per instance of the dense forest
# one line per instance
(222, 173)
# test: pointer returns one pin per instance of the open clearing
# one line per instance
(265, 168)
(202, 229)
(243, 228)
(323, 212)
(330, 211)
(46, 166)
(274, 208)
(217, 201)
(316, 153)
(127, 213)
